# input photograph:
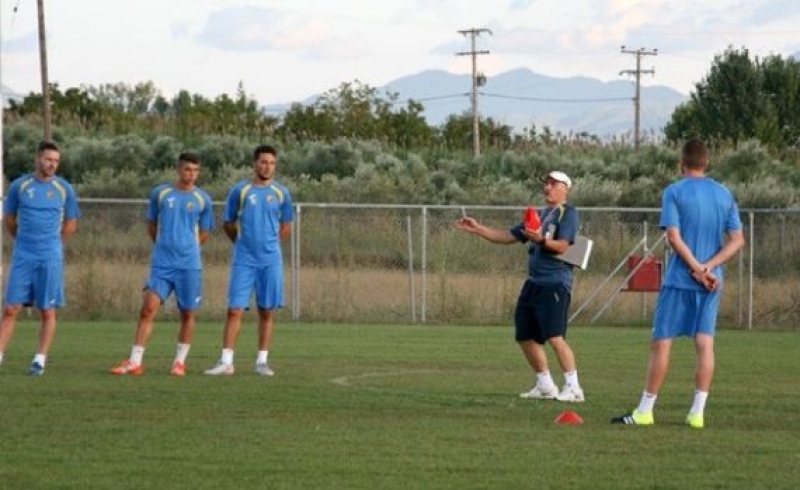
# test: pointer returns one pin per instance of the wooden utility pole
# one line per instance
(637, 73)
(46, 114)
(476, 82)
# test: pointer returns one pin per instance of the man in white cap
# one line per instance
(543, 305)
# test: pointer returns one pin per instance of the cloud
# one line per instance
(240, 29)
(775, 10)
(245, 29)
(517, 5)
(22, 44)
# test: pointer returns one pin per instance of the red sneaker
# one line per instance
(178, 369)
(128, 367)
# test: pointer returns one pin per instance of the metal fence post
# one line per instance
(424, 265)
(752, 259)
(411, 291)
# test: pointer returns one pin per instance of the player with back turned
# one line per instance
(701, 220)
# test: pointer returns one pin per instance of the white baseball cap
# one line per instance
(559, 177)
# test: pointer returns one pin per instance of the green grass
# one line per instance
(389, 407)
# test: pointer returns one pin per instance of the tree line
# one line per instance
(356, 144)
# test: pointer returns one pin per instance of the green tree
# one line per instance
(743, 98)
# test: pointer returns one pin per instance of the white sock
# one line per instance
(137, 353)
(647, 402)
(262, 357)
(227, 356)
(1, 358)
(40, 359)
(571, 378)
(699, 403)
(181, 352)
(544, 380)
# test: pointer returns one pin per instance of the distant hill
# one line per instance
(522, 98)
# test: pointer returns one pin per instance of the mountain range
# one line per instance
(522, 99)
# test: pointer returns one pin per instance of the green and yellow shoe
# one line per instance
(695, 421)
(635, 418)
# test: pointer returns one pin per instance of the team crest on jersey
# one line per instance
(270, 199)
(189, 206)
(49, 194)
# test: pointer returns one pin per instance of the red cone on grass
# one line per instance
(569, 418)
(532, 221)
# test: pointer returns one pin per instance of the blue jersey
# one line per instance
(180, 216)
(41, 207)
(259, 211)
(703, 210)
(558, 223)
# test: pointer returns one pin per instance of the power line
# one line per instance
(560, 100)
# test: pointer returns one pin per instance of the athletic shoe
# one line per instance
(262, 369)
(178, 369)
(695, 421)
(128, 367)
(36, 369)
(541, 394)
(635, 418)
(221, 369)
(571, 394)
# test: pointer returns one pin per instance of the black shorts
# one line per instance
(541, 312)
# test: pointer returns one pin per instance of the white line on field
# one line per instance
(347, 380)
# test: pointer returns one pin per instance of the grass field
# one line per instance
(366, 407)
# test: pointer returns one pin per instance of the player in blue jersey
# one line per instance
(701, 219)
(41, 212)
(543, 304)
(179, 219)
(258, 216)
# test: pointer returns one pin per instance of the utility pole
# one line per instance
(638, 74)
(477, 81)
(48, 130)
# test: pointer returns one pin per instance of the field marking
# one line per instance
(348, 380)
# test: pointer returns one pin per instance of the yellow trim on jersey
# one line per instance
(163, 193)
(242, 197)
(25, 184)
(61, 189)
(200, 198)
(277, 190)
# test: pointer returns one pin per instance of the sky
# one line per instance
(288, 50)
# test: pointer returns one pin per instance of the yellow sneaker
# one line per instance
(635, 418)
(695, 421)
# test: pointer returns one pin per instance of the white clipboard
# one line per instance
(578, 253)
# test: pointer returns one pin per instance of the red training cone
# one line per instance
(569, 418)
(532, 221)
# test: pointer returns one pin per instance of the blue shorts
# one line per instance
(542, 312)
(685, 313)
(187, 285)
(37, 283)
(267, 282)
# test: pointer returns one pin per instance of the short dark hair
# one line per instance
(45, 145)
(188, 156)
(694, 155)
(264, 149)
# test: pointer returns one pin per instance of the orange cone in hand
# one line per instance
(532, 221)
(569, 418)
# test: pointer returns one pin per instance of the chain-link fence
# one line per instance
(406, 264)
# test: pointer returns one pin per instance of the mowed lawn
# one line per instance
(406, 407)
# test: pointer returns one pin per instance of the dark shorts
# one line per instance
(541, 313)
